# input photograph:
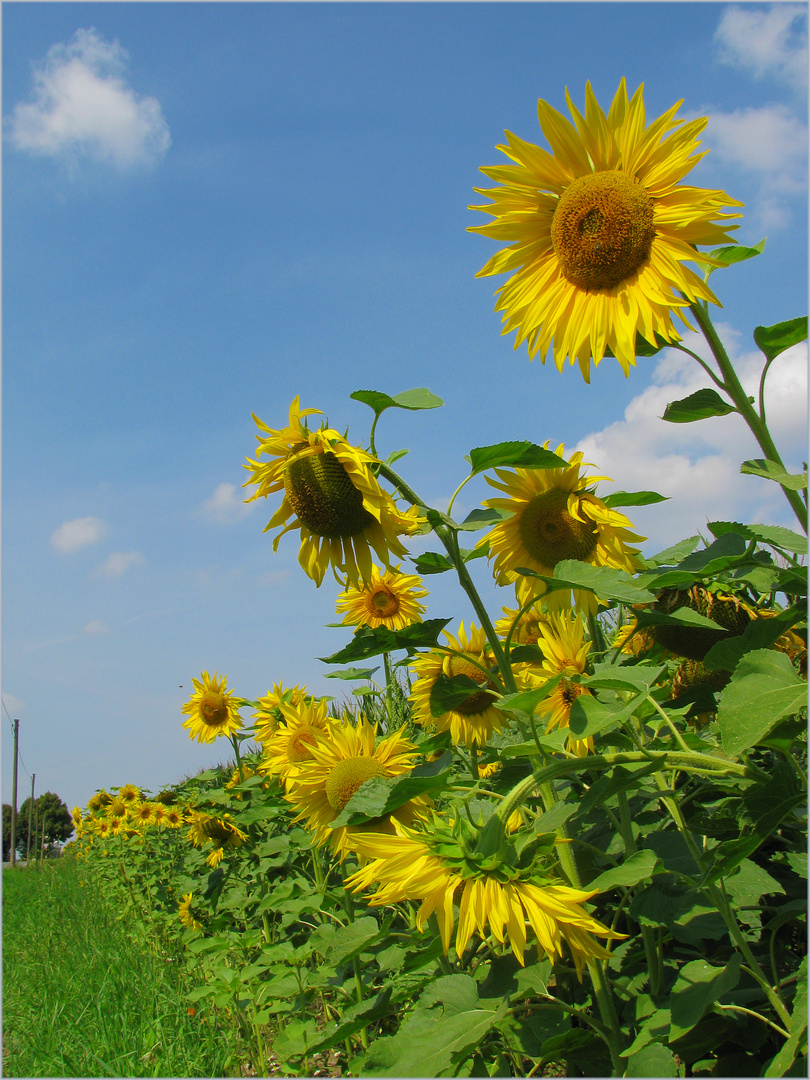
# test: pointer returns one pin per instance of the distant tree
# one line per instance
(6, 831)
(50, 810)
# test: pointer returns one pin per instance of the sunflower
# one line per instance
(76, 816)
(599, 230)
(332, 495)
(116, 808)
(526, 624)
(423, 866)
(555, 516)
(102, 827)
(129, 794)
(340, 763)
(268, 714)
(184, 913)
(565, 651)
(174, 818)
(143, 814)
(390, 599)
(633, 641)
(212, 710)
(295, 736)
(475, 718)
(222, 832)
(98, 801)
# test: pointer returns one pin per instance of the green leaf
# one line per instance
(634, 498)
(733, 253)
(589, 716)
(781, 1064)
(759, 634)
(771, 471)
(652, 1060)
(480, 519)
(725, 551)
(608, 584)
(763, 690)
(431, 562)
(698, 406)
(730, 854)
(773, 340)
(349, 674)
(449, 691)
(528, 700)
(683, 616)
(419, 398)
(371, 641)
(635, 677)
(638, 867)
(381, 795)
(671, 556)
(349, 940)
(523, 454)
(774, 535)
(697, 987)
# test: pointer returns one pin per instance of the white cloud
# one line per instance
(769, 41)
(226, 506)
(82, 105)
(96, 627)
(15, 705)
(76, 534)
(697, 465)
(118, 563)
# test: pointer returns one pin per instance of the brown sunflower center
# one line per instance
(383, 603)
(299, 744)
(347, 776)
(479, 701)
(570, 692)
(550, 533)
(324, 497)
(602, 229)
(213, 709)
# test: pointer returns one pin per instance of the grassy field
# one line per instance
(83, 997)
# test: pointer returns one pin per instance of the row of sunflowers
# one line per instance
(569, 840)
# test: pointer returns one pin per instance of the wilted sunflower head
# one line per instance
(220, 831)
(331, 493)
(98, 801)
(390, 599)
(599, 230)
(185, 913)
(553, 514)
(731, 613)
(212, 709)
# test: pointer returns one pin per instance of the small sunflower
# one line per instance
(294, 738)
(212, 709)
(526, 624)
(339, 765)
(76, 816)
(599, 230)
(554, 515)
(129, 794)
(174, 818)
(97, 802)
(103, 828)
(116, 808)
(268, 715)
(390, 599)
(184, 913)
(143, 814)
(407, 866)
(474, 719)
(221, 832)
(332, 495)
(565, 651)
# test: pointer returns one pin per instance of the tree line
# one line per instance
(50, 823)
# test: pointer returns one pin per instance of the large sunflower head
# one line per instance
(475, 718)
(212, 709)
(565, 652)
(332, 495)
(292, 742)
(390, 599)
(599, 230)
(339, 765)
(431, 866)
(268, 715)
(555, 515)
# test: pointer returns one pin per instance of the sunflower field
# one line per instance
(568, 839)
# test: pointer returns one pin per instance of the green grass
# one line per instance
(83, 997)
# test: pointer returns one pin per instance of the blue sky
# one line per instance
(211, 208)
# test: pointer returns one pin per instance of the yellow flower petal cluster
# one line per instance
(332, 495)
(220, 831)
(477, 717)
(185, 915)
(268, 714)
(405, 867)
(292, 742)
(212, 709)
(390, 599)
(598, 230)
(554, 515)
(565, 651)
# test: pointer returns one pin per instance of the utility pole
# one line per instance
(30, 812)
(14, 796)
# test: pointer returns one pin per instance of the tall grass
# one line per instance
(82, 996)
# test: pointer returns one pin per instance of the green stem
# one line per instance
(607, 1010)
(235, 744)
(733, 387)
(654, 965)
(389, 704)
(759, 1016)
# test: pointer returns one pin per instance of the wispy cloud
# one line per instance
(79, 533)
(118, 563)
(226, 505)
(770, 41)
(95, 627)
(15, 705)
(698, 465)
(81, 105)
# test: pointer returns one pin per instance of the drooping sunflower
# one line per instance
(599, 230)
(97, 802)
(407, 866)
(294, 738)
(390, 599)
(219, 831)
(475, 718)
(184, 913)
(332, 495)
(565, 651)
(212, 709)
(340, 763)
(268, 715)
(555, 515)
